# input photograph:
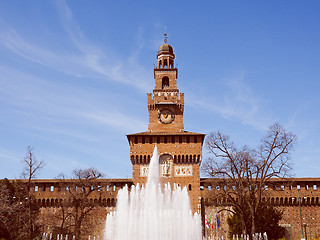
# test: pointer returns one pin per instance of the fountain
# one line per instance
(153, 212)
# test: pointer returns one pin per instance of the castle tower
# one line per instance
(180, 151)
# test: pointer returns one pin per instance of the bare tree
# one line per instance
(82, 186)
(244, 172)
(31, 168)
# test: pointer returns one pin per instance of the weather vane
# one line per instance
(165, 34)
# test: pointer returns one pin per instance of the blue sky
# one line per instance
(75, 76)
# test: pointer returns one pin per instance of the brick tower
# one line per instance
(180, 152)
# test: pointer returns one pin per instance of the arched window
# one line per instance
(165, 63)
(165, 82)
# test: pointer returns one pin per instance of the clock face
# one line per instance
(165, 116)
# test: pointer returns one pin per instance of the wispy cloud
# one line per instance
(50, 103)
(84, 60)
(10, 156)
(237, 101)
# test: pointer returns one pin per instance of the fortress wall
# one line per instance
(284, 195)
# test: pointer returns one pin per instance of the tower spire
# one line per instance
(165, 34)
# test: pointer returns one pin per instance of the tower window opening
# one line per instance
(171, 63)
(165, 82)
(189, 187)
(165, 63)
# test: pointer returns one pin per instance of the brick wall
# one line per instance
(283, 195)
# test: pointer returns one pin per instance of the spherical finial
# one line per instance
(165, 37)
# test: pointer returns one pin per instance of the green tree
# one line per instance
(13, 210)
(267, 220)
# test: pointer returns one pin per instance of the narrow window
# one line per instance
(314, 187)
(165, 82)
(282, 188)
(201, 188)
(114, 188)
(165, 63)
(67, 188)
(51, 188)
(189, 187)
(36, 188)
(209, 188)
(298, 187)
(266, 187)
(107, 188)
(43, 188)
(307, 187)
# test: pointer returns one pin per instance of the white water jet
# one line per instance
(149, 212)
